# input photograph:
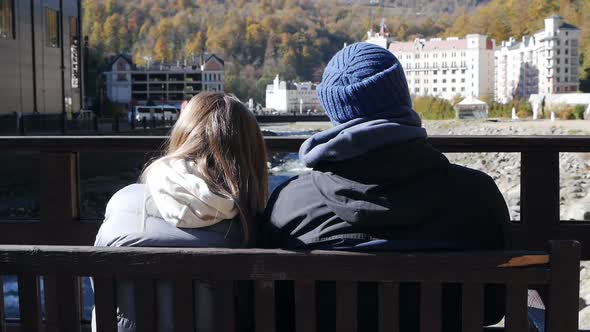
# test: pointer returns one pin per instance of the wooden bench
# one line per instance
(555, 272)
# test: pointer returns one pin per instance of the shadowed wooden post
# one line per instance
(516, 307)
(105, 305)
(305, 306)
(184, 304)
(562, 312)
(430, 307)
(473, 307)
(29, 302)
(225, 319)
(388, 307)
(539, 197)
(2, 316)
(145, 305)
(264, 295)
(346, 306)
(62, 303)
(59, 188)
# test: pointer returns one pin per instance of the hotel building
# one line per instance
(291, 97)
(545, 63)
(162, 83)
(448, 68)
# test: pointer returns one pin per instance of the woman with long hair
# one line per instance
(207, 190)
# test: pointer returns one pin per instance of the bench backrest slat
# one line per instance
(473, 311)
(562, 312)
(224, 303)
(346, 306)
(264, 305)
(305, 306)
(388, 306)
(2, 315)
(29, 302)
(145, 304)
(105, 305)
(430, 306)
(62, 303)
(184, 304)
(516, 307)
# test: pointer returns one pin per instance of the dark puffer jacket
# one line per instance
(393, 198)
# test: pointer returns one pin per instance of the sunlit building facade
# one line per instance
(282, 96)
(545, 63)
(448, 68)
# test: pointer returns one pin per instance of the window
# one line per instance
(435, 72)
(435, 80)
(435, 89)
(444, 80)
(453, 80)
(52, 28)
(7, 19)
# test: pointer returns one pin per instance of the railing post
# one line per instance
(95, 122)
(539, 198)
(116, 128)
(59, 190)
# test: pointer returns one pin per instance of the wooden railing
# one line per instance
(60, 221)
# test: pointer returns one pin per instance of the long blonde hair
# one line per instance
(222, 137)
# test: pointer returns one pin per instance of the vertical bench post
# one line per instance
(2, 316)
(564, 287)
(62, 303)
(29, 297)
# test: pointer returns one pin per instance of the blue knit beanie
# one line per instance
(363, 80)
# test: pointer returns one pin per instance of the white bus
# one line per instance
(159, 113)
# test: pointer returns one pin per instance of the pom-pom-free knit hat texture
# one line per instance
(362, 80)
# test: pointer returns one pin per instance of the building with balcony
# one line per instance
(40, 66)
(162, 83)
(291, 97)
(545, 63)
(448, 68)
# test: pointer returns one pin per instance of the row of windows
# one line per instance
(434, 55)
(52, 26)
(435, 72)
(453, 89)
(213, 77)
(444, 80)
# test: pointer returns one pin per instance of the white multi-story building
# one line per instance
(545, 63)
(162, 83)
(448, 68)
(291, 97)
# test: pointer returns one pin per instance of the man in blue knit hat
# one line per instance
(376, 184)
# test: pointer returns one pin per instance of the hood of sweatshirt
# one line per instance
(356, 137)
(183, 198)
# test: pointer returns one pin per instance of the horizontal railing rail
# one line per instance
(60, 221)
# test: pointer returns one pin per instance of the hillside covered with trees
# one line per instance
(295, 38)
